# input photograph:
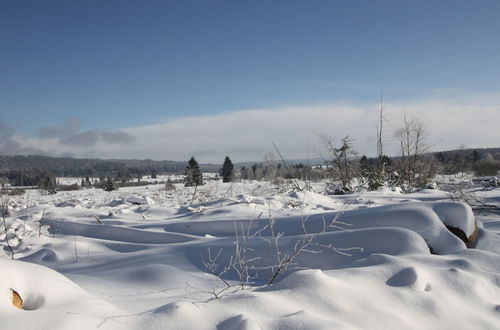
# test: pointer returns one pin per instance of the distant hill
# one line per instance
(291, 162)
(77, 167)
(482, 153)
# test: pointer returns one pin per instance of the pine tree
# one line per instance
(193, 176)
(364, 165)
(49, 184)
(227, 170)
(475, 156)
(109, 185)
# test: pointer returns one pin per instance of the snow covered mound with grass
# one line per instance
(428, 219)
(147, 258)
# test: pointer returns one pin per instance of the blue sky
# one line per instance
(116, 65)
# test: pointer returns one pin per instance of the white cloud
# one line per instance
(247, 134)
(455, 123)
(67, 138)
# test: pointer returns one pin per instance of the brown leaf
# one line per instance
(17, 301)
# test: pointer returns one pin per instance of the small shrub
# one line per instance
(278, 181)
(169, 185)
(134, 184)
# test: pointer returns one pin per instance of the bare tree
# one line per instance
(412, 137)
(380, 126)
(271, 170)
(374, 171)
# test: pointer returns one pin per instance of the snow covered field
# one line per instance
(147, 258)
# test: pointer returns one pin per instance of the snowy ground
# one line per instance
(145, 266)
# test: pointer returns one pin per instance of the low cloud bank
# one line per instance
(248, 134)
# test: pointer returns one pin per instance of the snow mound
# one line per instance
(44, 255)
(428, 219)
(116, 233)
(52, 300)
(371, 269)
(459, 219)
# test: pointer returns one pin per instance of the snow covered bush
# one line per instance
(340, 158)
(110, 185)
(169, 185)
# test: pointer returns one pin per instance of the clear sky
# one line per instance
(95, 77)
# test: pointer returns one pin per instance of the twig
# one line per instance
(194, 194)
(41, 224)
(295, 182)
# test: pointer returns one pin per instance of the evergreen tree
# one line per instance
(385, 161)
(227, 170)
(110, 185)
(254, 171)
(475, 156)
(364, 165)
(193, 176)
(440, 157)
(49, 184)
(51, 187)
